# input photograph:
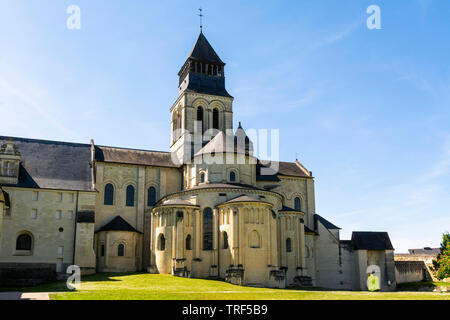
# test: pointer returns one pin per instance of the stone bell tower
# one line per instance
(203, 102)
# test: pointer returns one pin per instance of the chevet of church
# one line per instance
(110, 209)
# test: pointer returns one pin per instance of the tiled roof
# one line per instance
(132, 156)
(293, 169)
(244, 198)
(287, 209)
(425, 251)
(177, 202)
(223, 143)
(327, 224)
(371, 240)
(53, 164)
(117, 224)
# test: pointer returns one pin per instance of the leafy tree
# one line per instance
(442, 262)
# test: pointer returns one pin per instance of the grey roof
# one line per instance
(177, 202)
(244, 198)
(133, 156)
(425, 251)
(117, 224)
(223, 143)
(293, 169)
(327, 224)
(308, 230)
(86, 216)
(225, 186)
(288, 209)
(371, 240)
(204, 52)
(53, 164)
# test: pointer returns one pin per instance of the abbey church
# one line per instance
(207, 208)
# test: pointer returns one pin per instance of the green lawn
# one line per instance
(144, 286)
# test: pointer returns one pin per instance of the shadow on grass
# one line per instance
(420, 286)
(61, 286)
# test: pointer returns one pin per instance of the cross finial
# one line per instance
(201, 17)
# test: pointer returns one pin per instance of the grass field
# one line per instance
(144, 286)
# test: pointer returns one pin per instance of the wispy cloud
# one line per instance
(335, 37)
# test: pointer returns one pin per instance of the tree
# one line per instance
(442, 262)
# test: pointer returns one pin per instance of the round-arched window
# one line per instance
(161, 242)
(121, 250)
(24, 242)
(232, 176)
(130, 196)
(109, 195)
(288, 245)
(298, 204)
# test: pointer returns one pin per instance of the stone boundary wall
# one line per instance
(409, 271)
(27, 274)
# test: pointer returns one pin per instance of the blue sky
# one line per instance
(367, 111)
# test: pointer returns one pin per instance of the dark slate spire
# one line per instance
(203, 71)
(203, 52)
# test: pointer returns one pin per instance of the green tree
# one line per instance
(442, 262)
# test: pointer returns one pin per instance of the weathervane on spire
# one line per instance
(201, 16)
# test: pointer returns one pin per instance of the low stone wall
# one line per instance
(409, 271)
(27, 274)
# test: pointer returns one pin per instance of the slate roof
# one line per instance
(53, 164)
(177, 202)
(327, 224)
(117, 224)
(133, 156)
(308, 230)
(371, 240)
(225, 186)
(243, 198)
(425, 251)
(293, 169)
(288, 209)
(204, 52)
(223, 143)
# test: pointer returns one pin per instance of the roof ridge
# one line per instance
(132, 149)
(22, 139)
(302, 167)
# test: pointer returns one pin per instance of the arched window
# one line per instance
(232, 176)
(130, 196)
(109, 195)
(24, 242)
(121, 250)
(200, 118)
(151, 196)
(298, 204)
(255, 241)
(202, 178)
(215, 119)
(207, 229)
(225, 240)
(288, 245)
(188, 242)
(161, 242)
